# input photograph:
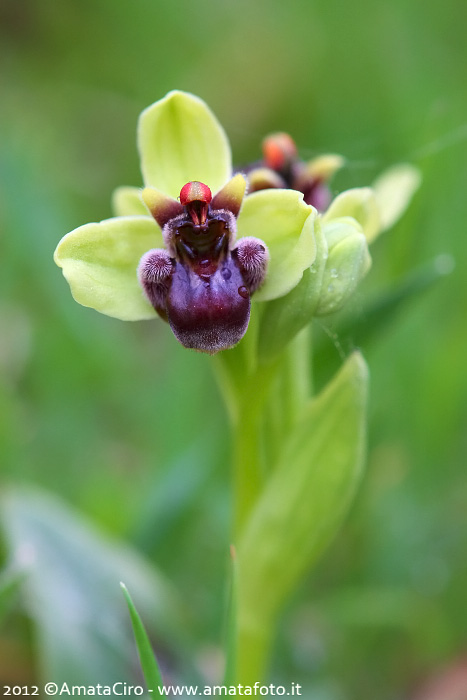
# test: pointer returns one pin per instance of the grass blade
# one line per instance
(147, 658)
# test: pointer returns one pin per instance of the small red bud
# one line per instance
(195, 192)
(279, 150)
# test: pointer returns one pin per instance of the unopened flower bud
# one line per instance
(347, 263)
(279, 151)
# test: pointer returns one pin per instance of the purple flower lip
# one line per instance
(202, 284)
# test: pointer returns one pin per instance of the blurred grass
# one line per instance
(100, 412)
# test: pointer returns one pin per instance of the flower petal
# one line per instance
(325, 166)
(126, 201)
(180, 140)
(359, 203)
(231, 195)
(393, 191)
(286, 224)
(100, 260)
(161, 206)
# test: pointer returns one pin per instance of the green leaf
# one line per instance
(126, 201)
(306, 498)
(283, 318)
(394, 190)
(180, 140)
(360, 204)
(287, 225)
(147, 658)
(71, 591)
(100, 262)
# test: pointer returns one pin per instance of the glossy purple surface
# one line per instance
(210, 312)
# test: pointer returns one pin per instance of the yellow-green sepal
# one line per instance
(100, 261)
(180, 140)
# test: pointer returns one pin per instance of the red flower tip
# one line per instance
(279, 150)
(195, 192)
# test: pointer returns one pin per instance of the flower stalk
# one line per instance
(282, 386)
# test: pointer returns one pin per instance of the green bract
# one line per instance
(313, 483)
(179, 140)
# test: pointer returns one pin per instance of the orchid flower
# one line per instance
(148, 260)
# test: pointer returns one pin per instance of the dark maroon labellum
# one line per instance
(204, 306)
(208, 313)
(200, 284)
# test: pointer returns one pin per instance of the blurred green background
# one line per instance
(120, 423)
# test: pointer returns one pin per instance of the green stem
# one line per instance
(253, 649)
(289, 379)
(273, 424)
(297, 384)
(248, 465)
